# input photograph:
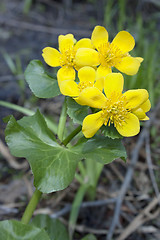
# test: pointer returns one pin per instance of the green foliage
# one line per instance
(89, 237)
(53, 166)
(55, 229)
(76, 208)
(14, 230)
(40, 83)
(75, 111)
(101, 149)
(110, 131)
(27, 6)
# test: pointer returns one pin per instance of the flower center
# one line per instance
(110, 54)
(67, 57)
(115, 111)
(83, 85)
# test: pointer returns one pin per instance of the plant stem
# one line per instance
(72, 135)
(31, 206)
(76, 207)
(28, 112)
(62, 121)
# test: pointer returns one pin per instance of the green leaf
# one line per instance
(75, 111)
(101, 149)
(53, 166)
(14, 230)
(40, 83)
(89, 237)
(111, 132)
(55, 229)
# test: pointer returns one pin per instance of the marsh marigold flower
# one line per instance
(65, 57)
(108, 55)
(124, 110)
(87, 79)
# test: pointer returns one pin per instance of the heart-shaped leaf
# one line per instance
(53, 166)
(101, 149)
(40, 83)
(55, 229)
(14, 230)
(75, 111)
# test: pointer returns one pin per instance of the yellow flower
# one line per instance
(108, 55)
(87, 79)
(65, 57)
(123, 110)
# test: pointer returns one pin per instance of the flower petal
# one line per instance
(51, 56)
(140, 59)
(87, 74)
(91, 124)
(66, 73)
(124, 41)
(113, 82)
(139, 113)
(128, 65)
(92, 97)
(146, 106)
(65, 42)
(99, 83)
(145, 119)
(83, 43)
(86, 57)
(102, 71)
(130, 127)
(136, 98)
(69, 88)
(99, 36)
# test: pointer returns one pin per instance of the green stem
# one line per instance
(31, 207)
(76, 207)
(28, 112)
(72, 135)
(62, 121)
(17, 108)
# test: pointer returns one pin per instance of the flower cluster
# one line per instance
(98, 87)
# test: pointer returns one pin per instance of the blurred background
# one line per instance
(26, 27)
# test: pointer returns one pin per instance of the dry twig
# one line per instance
(143, 217)
(150, 166)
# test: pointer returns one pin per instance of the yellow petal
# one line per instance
(83, 43)
(136, 97)
(51, 56)
(146, 106)
(113, 82)
(69, 88)
(140, 59)
(99, 36)
(130, 127)
(102, 71)
(139, 113)
(65, 42)
(124, 41)
(99, 83)
(87, 74)
(145, 119)
(91, 124)
(128, 65)
(66, 73)
(92, 97)
(86, 57)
